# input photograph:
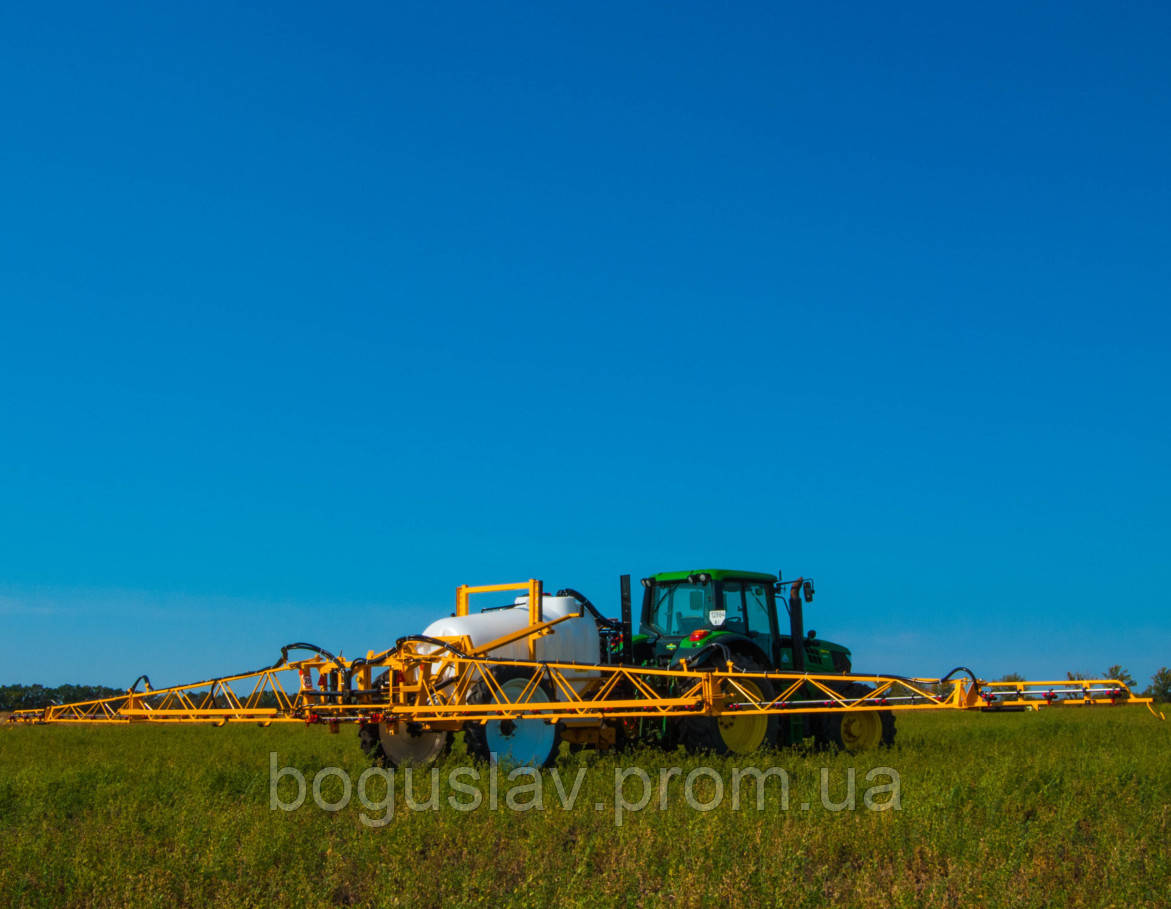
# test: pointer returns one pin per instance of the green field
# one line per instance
(1064, 807)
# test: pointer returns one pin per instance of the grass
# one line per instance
(1066, 807)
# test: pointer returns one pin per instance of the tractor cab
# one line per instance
(712, 615)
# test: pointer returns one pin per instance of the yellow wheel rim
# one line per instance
(744, 734)
(861, 730)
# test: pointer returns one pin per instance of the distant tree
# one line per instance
(32, 697)
(266, 699)
(1119, 673)
(1075, 676)
(1012, 677)
(1160, 687)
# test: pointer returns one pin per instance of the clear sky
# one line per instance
(312, 312)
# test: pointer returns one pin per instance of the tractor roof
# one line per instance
(717, 574)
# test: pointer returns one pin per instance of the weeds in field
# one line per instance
(1059, 807)
(380, 792)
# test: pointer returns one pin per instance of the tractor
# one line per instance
(717, 617)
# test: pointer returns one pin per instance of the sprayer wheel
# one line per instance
(534, 742)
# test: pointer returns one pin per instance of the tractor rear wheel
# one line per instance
(729, 733)
(863, 730)
(534, 742)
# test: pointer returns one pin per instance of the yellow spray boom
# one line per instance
(429, 686)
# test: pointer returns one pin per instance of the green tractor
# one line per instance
(716, 616)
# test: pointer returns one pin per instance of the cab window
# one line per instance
(746, 605)
(681, 608)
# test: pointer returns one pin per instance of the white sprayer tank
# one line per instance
(575, 640)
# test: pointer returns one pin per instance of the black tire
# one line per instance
(856, 732)
(411, 743)
(416, 747)
(484, 740)
(716, 735)
(368, 732)
(368, 741)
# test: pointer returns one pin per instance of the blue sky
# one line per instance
(309, 315)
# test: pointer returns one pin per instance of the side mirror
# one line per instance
(808, 590)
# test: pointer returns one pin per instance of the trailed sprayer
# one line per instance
(718, 661)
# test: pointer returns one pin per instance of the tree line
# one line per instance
(34, 697)
(31, 697)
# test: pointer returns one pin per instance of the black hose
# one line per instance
(320, 651)
(698, 658)
(301, 645)
(963, 669)
(434, 641)
(590, 608)
(142, 678)
(348, 674)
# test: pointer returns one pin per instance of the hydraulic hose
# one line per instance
(966, 671)
(698, 660)
(301, 645)
(142, 678)
(590, 608)
(433, 641)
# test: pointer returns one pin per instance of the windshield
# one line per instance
(679, 609)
